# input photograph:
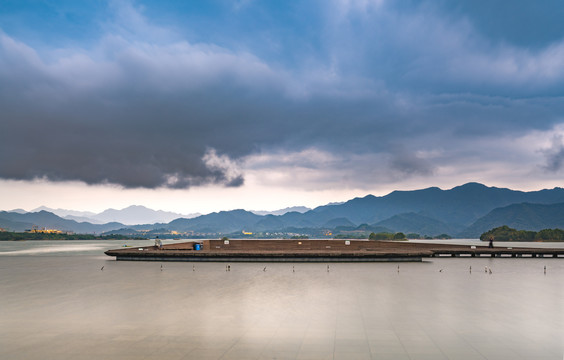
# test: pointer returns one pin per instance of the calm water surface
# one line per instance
(57, 303)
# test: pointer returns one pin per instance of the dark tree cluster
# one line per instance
(505, 233)
(387, 236)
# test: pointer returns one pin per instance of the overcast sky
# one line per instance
(199, 106)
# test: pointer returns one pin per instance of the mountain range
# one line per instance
(463, 211)
(300, 209)
(20, 222)
(131, 215)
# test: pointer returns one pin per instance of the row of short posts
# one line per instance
(498, 254)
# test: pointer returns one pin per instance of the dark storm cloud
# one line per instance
(555, 155)
(169, 113)
(135, 123)
(409, 163)
(150, 117)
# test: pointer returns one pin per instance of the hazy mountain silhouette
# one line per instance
(466, 210)
(300, 209)
(524, 216)
(460, 206)
(417, 223)
(65, 212)
(223, 221)
(137, 214)
(22, 222)
(19, 211)
(430, 211)
(131, 215)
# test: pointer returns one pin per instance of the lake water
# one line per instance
(57, 303)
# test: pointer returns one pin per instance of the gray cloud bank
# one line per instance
(399, 84)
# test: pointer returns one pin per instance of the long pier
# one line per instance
(318, 251)
(501, 252)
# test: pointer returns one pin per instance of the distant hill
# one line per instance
(524, 216)
(64, 212)
(131, 215)
(223, 221)
(459, 206)
(78, 216)
(338, 222)
(429, 211)
(19, 211)
(463, 211)
(300, 209)
(417, 223)
(137, 214)
(13, 225)
(21, 222)
(82, 219)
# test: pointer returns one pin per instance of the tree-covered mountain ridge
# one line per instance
(463, 211)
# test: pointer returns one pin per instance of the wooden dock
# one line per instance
(319, 251)
(501, 252)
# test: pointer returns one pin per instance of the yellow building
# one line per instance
(43, 230)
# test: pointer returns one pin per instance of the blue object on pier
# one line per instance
(197, 246)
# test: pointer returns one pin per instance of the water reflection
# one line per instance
(66, 307)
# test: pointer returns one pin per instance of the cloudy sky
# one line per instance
(197, 106)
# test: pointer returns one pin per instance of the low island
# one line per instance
(505, 233)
